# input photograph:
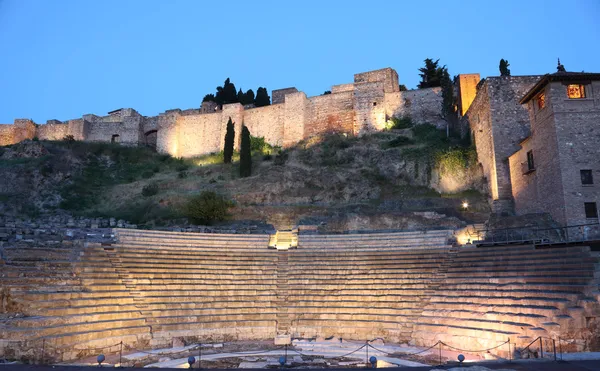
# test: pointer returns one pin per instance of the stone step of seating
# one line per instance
(459, 314)
(346, 249)
(511, 271)
(526, 279)
(150, 312)
(52, 296)
(201, 280)
(67, 328)
(394, 236)
(205, 266)
(131, 232)
(225, 325)
(158, 277)
(419, 243)
(547, 311)
(477, 285)
(506, 300)
(347, 312)
(194, 238)
(87, 338)
(98, 308)
(187, 300)
(539, 266)
(135, 252)
(266, 270)
(480, 323)
(200, 292)
(505, 253)
(191, 244)
(161, 321)
(458, 295)
(388, 250)
(207, 286)
(197, 259)
(75, 319)
(430, 333)
(356, 324)
(352, 301)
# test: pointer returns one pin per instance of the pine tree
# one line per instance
(229, 139)
(402, 87)
(430, 74)
(245, 153)
(262, 98)
(504, 71)
(249, 96)
(209, 98)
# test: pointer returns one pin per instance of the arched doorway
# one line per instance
(150, 138)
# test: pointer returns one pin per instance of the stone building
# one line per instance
(536, 139)
(557, 167)
(356, 108)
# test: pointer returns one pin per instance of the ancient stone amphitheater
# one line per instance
(149, 287)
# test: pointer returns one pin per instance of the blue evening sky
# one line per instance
(64, 58)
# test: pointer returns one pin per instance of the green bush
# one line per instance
(207, 208)
(182, 174)
(69, 138)
(400, 123)
(147, 174)
(281, 158)
(453, 161)
(150, 190)
(258, 145)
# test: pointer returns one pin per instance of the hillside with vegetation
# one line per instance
(405, 177)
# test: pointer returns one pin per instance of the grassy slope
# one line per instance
(321, 179)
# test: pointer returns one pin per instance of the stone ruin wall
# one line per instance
(356, 108)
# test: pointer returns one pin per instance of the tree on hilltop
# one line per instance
(226, 94)
(229, 140)
(430, 74)
(504, 71)
(245, 153)
(209, 98)
(262, 98)
(327, 92)
(245, 98)
(402, 87)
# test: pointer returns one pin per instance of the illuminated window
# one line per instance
(541, 101)
(591, 210)
(575, 91)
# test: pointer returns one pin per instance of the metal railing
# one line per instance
(534, 235)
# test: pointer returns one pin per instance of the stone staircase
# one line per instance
(283, 317)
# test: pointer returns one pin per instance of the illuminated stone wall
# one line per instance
(7, 134)
(356, 108)
(467, 89)
(498, 123)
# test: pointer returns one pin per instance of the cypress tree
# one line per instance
(430, 74)
(229, 139)
(245, 153)
(262, 97)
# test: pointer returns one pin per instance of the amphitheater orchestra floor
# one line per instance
(588, 365)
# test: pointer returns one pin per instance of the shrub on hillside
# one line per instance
(400, 123)
(69, 138)
(150, 190)
(207, 208)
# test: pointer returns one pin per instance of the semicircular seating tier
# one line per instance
(151, 287)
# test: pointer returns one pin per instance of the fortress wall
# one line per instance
(388, 76)
(278, 95)
(104, 131)
(329, 113)
(342, 88)
(167, 137)
(422, 105)
(7, 134)
(52, 131)
(24, 129)
(199, 134)
(369, 107)
(267, 122)
(480, 121)
(294, 118)
(77, 129)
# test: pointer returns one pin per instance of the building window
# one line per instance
(541, 101)
(586, 177)
(575, 91)
(591, 211)
(530, 164)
